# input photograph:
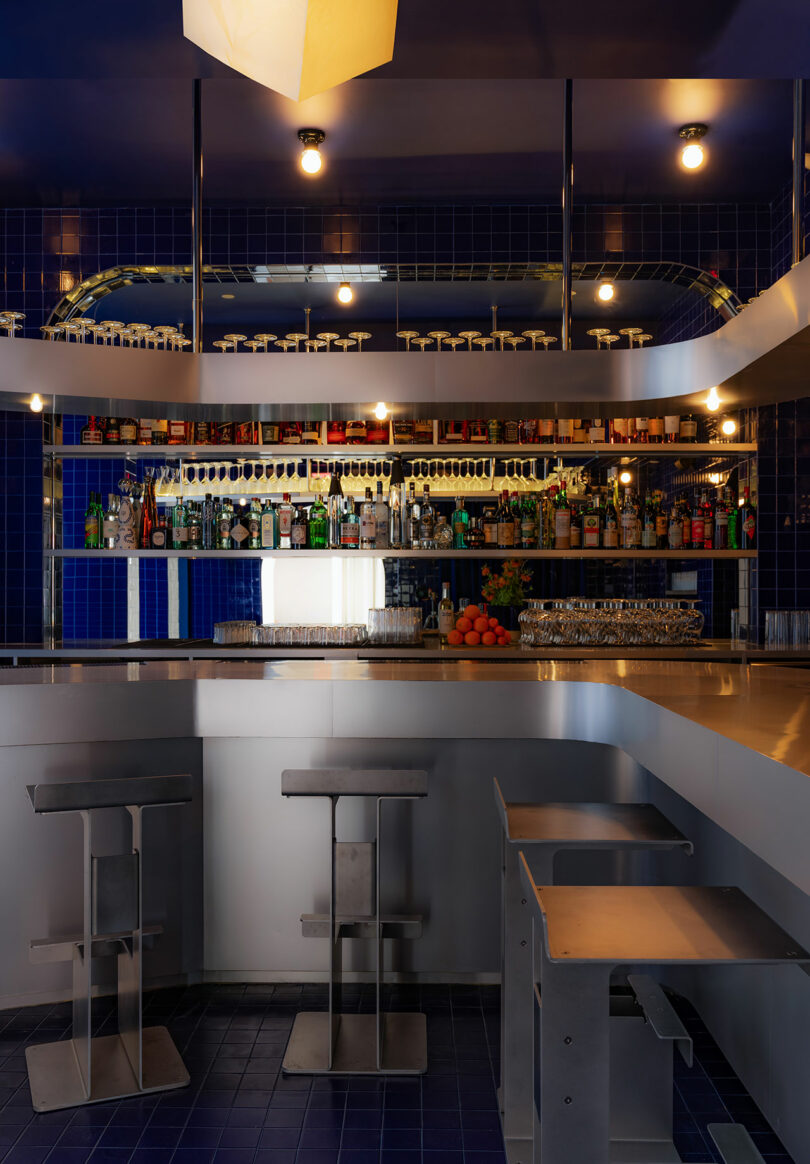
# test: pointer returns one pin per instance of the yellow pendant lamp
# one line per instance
(296, 47)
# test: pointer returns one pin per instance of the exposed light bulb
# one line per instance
(728, 427)
(35, 403)
(713, 400)
(345, 293)
(606, 292)
(381, 411)
(625, 478)
(692, 155)
(311, 160)
(714, 478)
(243, 500)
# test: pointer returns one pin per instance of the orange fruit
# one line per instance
(488, 639)
(455, 638)
(472, 612)
(503, 640)
(472, 638)
(481, 625)
(493, 622)
(463, 624)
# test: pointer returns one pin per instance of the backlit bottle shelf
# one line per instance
(677, 555)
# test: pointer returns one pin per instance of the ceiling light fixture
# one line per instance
(713, 400)
(345, 293)
(693, 154)
(381, 411)
(311, 140)
(35, 403)
(606, 292)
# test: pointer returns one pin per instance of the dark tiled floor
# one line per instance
(239, 1109)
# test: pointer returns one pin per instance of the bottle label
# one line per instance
(596, 433)
(254, 527)
(381, 528)
(225, 530)
(575, 540)
(159, 539)
(298, 534)
(368, 526)
(749, 526)
(656, 426)
(565, 429)
(179, 536)
(490, 533)
(91, 530)
(698, 527)
(675, 535)
(291, 438)
(590, 531)
(688, 430)
(177, 430)
(562, 529)
(610, 534)
(547, 429)
(447, 621)
(268, 532)
(93, 436)
(285, 517)
(648, 535)
(506, 533)
(109, 528)
(528, 532)
(628, 530)
(661, 525)
(620, 426)
(269, 433)
(511, 432)
(239, 532)
(129, 434)
(349, 535)
(642, 424)
(580, 433)
(672, 425)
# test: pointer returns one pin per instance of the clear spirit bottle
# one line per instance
(286, 513)
(447, 616)
(427, 521)
(381, 514)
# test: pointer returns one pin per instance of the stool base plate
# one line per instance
(53, 1070)
(404, 1045)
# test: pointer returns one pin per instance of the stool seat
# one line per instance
(380, 782)
(615, 924)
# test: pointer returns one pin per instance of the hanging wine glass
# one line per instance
(360, 336)
(223, 345)
(598, 333)
(500, 336)
(643, 339)
(253, 345)
(297, 337)
(439, 336)
(407, 336)
(422, 341)
(469, 336)
(265, 338)
(547, 340)
(453, 342)
(314, 345)
(9, 320)
(328, 338)
(484, 342)
(514, 340)
(140, 330)
(234, 338)
(345, 344)
(50, 332)
(609, 340)
(285, 344)
(631, 333)
(534, 334)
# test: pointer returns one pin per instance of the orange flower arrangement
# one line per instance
(507, 587)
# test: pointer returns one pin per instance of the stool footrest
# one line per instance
(735, 1144)
(402, 926)
(660, 1014)
(62, 949)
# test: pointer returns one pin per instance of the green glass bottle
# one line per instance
(318, 526)
(92, 525)
(179, 527)
(460, 522)
(223, 526)
(254, 525)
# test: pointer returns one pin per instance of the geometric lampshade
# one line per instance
(296, 47)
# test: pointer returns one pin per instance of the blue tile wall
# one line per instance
(20, 528)
(221, 590)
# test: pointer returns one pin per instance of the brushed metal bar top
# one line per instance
(659, 924)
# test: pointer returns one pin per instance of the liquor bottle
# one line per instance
(92, 533)
(298, 529)
(158, 539)
(254, 524)
(688, 429)
(270, 432)
(177, 432)
(514, 505)
(412, 518)
(460, 522)
(203, 433)
(575, 540)
(686, 520)
(334, 506)
(112, 431)
(475, 534)
(356, 432)
(311, 432)
(697, 525)
(194, 527)
(208, 531)
(318, 526)
(336, 432)
(377, 432)
(733, 520)
(580, 432)
(528, 523)
(427, 521)
(452, 432)
(291, 432)
(565, 431)
(596, 431)
(349, 526)
(549, 519)
(661, 524)
(91, 434)
(223, 432)
(656, 430)
(109, 523)
(511, 432)
(442, 533)
(590, 525)
(223, 526)
(630, 526)
(547, 430)
(708, 521)
(269, 535)
(721, 516)
(642, 430)
(179, 526)
(447, 616)
(129, 431)
(562, 520)
(423, 432)
(672, 429)
(285, 512)
(368, 523)
(160, 432)
(403, 432)
(495, 432)
(382, 521)
(239, 528)
(675, 528)
(648, 531)
(506, 524)
(397, 505)
(610, 529)
(145, 430)
(531, 431)
(619, 434)
(477, 432)
(489, 528)
(747, 522)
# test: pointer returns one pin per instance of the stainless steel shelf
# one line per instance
(430, 554)
(413, 452)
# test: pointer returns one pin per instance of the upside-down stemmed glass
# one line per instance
(642, 339)
(422, 341)
(50, 331)
(328, 338)
(631, 333)
(297, 337)
(9, 320)
(598, 333)
(223, 345)
(345, 344)
(407, 336)
(469, 336)
(609, 340)
(514, 340)
(534, 334)
(360, 336)
(236, 339)
(547, 340)
(285, 344)
(484, 342)
(140, 330)
(453, 341)
(253, 345)
(500, 336)
(439, 337)
(314, 345)
(265, 338)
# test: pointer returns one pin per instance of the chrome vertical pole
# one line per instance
(196, 217)
(799, 112)
(567, 197)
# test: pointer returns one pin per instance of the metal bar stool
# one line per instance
(544, 830)
(333, 1042)
(83, 1069)
(581, 933)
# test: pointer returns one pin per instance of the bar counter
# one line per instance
(723, 749)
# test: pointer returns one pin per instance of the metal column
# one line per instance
(567, 197)
(196, 217)
(799, 112)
